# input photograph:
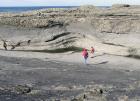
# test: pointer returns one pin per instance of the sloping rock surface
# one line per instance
(112, 30)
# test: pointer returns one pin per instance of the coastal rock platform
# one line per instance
(40, 54)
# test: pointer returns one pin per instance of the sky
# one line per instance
(65, 2)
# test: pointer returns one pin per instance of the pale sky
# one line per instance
(65, 2)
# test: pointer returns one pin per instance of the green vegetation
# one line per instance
(61, 50)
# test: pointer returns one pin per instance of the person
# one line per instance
(92, 51)
(5, 45)
(85, 55)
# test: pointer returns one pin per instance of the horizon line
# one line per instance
(52, 6)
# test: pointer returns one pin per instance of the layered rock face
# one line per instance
(113, 30)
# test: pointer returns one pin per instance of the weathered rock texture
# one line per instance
(112, 30)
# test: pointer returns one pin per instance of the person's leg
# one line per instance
(85, 60)
(92, 56)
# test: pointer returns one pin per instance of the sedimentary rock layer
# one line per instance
(107, 29)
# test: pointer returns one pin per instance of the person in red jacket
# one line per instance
(92, 51)
(85, 55)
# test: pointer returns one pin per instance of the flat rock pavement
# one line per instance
(32, 79)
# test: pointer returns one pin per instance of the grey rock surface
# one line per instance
(86, 26)
(40, 80)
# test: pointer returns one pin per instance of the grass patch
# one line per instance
(61, 50)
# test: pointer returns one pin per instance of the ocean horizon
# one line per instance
(30, 8)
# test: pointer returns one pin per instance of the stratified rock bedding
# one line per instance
(86, 26)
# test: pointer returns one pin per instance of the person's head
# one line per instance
(84, 49)
(91, 46)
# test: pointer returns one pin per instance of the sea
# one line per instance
(23, 9)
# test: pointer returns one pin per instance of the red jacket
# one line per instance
(85, 53)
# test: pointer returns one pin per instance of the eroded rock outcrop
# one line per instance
(120, 5)
(86, 26)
